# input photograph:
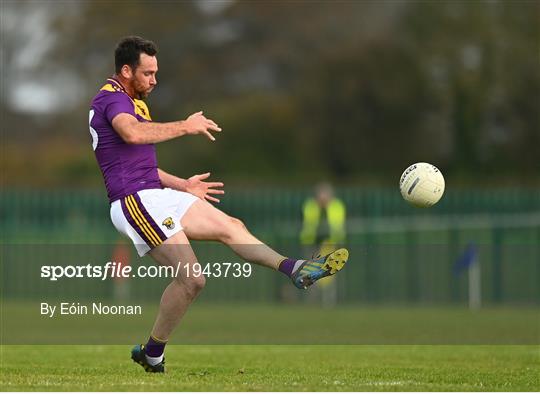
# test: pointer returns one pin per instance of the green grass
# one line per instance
(274, 368)
(217, 324)
(232, 347)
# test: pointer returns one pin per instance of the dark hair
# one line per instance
(129, 49)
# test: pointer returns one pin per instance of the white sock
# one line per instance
(154, 360)
(297, 265)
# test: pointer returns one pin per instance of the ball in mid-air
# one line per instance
(422, 184)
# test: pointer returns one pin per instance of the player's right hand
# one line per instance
(197, 123)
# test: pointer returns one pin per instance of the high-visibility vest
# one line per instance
(335, 215)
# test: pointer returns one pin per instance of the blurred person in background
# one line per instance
(323, 229)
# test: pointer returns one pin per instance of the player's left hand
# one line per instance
(198, 187)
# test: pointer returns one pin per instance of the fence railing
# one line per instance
(398, 253)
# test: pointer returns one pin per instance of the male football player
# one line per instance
(160, 212)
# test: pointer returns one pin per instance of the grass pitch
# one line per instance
(274, 368)
(267, 324)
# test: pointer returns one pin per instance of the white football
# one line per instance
(422, 185)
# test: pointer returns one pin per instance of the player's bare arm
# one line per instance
(134, 132)
(195, 185)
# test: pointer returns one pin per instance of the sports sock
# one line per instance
(154, 360)
(289, 266)
(154, 349)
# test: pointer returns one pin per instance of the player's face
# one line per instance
(144, 79)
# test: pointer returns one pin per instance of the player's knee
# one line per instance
(236, 224)
(195, 284)
(230, 228)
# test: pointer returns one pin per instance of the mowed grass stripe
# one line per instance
(275, 368)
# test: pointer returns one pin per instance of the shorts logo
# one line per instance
(168, 223)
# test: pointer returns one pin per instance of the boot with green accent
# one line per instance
(320, 267)
(138, 355)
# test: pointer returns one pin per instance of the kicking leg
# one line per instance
(205, 222)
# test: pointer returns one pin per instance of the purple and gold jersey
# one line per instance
(126, 168)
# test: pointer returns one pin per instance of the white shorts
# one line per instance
(151, 216)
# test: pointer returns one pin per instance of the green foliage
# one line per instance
(346, 91)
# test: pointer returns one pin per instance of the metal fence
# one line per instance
(399, 254)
